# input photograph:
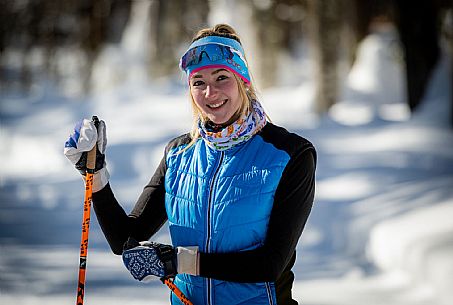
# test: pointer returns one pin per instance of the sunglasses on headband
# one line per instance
(215, 54)
(207, 54)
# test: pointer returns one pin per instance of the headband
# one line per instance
(213, 52)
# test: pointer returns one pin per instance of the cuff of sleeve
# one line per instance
(188, 260)
(100, 179)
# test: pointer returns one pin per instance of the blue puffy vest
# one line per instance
(221, 202)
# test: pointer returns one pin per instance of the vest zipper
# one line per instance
(269, 293)
(208, 224)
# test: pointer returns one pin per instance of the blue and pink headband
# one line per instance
(213, 52)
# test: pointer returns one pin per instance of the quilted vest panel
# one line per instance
(221, 202)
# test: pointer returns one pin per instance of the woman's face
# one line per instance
(216, 93)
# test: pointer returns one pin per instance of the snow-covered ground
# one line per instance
(380, 231)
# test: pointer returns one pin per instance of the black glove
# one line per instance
(146, 259)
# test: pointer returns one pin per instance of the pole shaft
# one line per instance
(177, 292)
(91, 159)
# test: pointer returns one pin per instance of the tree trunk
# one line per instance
(268, 40)
(325, 28)
(450, 39)
(417, 25)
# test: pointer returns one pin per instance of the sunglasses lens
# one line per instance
(209, 53)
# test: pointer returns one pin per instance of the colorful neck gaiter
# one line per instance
(238, 132)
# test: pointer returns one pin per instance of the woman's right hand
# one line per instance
(83, 138)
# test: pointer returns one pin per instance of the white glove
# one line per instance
(84, 137)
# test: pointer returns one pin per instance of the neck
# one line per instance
(218, 127)
(214, 127)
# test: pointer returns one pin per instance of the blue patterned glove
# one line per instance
(147, 259)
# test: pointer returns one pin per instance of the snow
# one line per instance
(380, 231)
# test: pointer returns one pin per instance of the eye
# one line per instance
(222, 77)
(197, 83)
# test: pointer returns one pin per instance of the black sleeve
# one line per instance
(292, 204)
(146, 218)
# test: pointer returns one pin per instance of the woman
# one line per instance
(237, 191)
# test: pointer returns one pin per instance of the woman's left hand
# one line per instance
(147, 259)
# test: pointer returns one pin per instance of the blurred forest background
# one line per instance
(367, 81)
(62, 39)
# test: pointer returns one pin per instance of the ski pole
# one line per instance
(91, 162)
(176, 291)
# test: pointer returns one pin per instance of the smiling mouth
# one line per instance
(217, 105)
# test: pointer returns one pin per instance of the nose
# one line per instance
(210, 91)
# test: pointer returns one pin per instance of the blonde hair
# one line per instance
(246, 92)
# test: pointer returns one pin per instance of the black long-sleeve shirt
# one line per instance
(271, 262)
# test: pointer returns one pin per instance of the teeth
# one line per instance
(217, 105)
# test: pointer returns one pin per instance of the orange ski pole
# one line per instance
(176, 291)
(91, 162)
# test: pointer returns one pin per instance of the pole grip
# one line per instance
(91, 157)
